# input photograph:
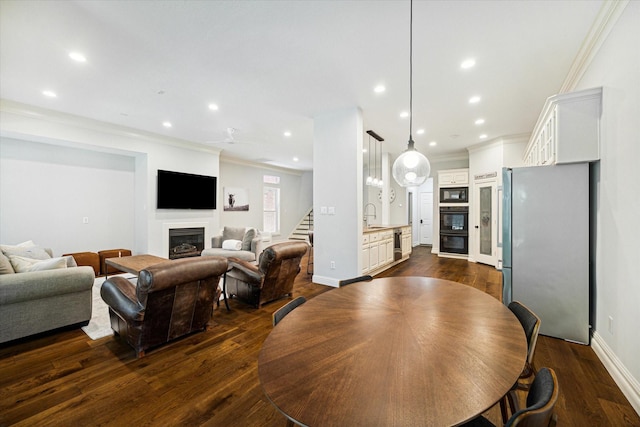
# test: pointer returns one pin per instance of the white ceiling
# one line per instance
(272, 66)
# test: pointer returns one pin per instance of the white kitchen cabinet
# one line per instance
(453, 177)
(374, 255)
(389, 246)
(406, 241)
(385, 253)
(365, 254)
(378, 249)
(568, 130)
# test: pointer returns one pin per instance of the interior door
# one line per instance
(486, 222)
(426, 218)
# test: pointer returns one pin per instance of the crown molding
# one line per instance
(500, 141)
(458, 155)
(8, 108)
(226, 158)
(602, 26)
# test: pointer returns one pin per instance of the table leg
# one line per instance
(224, 291)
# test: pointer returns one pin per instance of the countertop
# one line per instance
(375, 228)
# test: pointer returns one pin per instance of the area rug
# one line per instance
(99, 326)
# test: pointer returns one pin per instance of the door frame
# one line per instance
(475, 220)
(415, 209)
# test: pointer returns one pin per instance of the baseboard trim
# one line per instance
(323, 280)
(622, 377)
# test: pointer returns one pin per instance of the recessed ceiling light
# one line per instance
(287, 133)
(468, 63)
(420, 131)
(295, 159)
(479, 122)
(483, 136)
(77, 56)
(364, 150)
(404, 114)
(167, 124)
(213, 107)
(433, 143)
(379, 89)
(49, 93)
(474, 99)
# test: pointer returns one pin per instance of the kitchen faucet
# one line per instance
(367, 215)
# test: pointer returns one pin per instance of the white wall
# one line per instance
(47, 190)
(148, 153)
(296, 195)
(616, 67)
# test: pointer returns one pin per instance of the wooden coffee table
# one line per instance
(134, 264)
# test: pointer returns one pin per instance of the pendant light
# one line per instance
(375, 181)
(375, 165)
(411, 168)
(369, 178)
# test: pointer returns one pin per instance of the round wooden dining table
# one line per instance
(397, 351)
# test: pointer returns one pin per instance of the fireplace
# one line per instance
(185, 242)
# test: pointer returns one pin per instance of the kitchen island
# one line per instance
(384, 246)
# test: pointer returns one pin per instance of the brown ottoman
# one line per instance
(111, 253)
(90, 259)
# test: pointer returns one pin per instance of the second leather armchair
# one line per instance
(271, 279)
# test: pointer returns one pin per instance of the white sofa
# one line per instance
(248, 249)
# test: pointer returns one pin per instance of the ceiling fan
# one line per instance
(229, 137)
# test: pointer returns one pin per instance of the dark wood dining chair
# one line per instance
(346, 282)
(531, 324)
(540, 403)
(279, 314)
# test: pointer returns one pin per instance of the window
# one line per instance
(270, 179)
(271, 209)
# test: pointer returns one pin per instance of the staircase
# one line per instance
(305, 225)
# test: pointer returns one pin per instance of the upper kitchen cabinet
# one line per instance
(453, 177)
(568, 129)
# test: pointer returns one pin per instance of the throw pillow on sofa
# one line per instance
(24, 265)
(233, 233)
(232, 245)
(5, 265)
(27, 244)
(26, 249)
(249, 235)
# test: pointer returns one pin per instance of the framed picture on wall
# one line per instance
(236, 199)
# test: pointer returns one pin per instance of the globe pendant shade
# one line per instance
(411, 168)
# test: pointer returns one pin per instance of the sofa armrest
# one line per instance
(19, 287)
(257, 245)
(120, 296)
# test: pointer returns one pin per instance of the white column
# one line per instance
(337, 195)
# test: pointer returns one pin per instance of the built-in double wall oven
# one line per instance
(454, 229)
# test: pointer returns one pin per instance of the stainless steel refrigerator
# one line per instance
(546, 246)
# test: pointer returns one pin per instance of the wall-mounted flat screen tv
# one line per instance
(177, 190)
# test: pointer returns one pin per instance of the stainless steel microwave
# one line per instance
(454, 195)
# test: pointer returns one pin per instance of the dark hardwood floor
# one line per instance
(211, 379)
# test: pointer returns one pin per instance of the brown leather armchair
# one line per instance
(271, 279)
(171, 299)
